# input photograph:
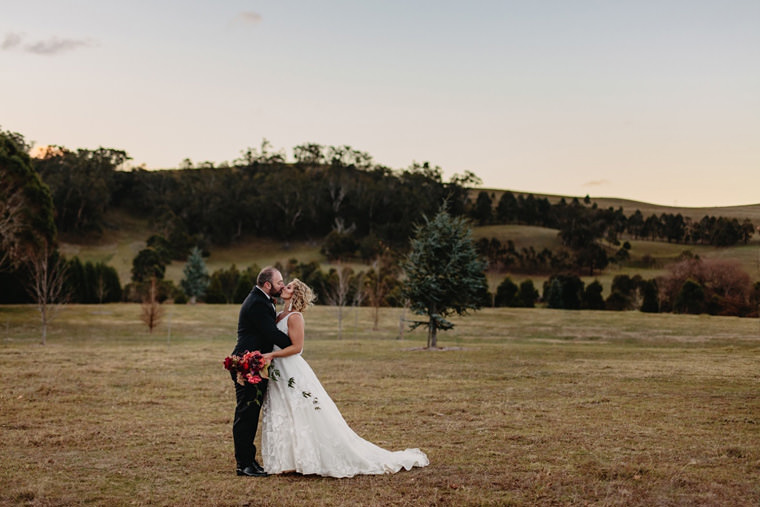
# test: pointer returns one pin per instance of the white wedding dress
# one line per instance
(303, 430)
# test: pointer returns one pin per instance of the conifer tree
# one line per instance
(650, 297)
(553, 294)
(196, 276)
(444, 274)
(506, 293)
(528, 294)
(592, 296)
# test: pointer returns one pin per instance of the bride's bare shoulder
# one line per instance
(285, 315)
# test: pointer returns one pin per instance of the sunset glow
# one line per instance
(652, 101)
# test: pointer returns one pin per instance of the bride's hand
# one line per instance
(268, 357)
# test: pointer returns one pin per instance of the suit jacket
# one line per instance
(256, 325)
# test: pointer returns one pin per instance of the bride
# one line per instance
(302, 429)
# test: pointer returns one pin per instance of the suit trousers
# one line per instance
(249, 401)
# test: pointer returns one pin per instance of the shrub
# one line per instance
(623, 293)
(650, 299)
(528, 294)
(339, 245)
(564, 291)
(618, 302)
(725, 280)
(592, 296)
(506, 293)
(691, 298)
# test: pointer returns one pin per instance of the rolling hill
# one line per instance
(126, 236)
(751, 211)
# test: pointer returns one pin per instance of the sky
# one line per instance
(651, 100)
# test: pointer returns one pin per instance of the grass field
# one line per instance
(523, 407)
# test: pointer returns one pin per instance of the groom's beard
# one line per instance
(275, 294)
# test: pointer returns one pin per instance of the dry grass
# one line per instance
(526, 407)
(120, 244)
(523, 236)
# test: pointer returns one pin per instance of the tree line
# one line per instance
(691, 285)
(333, 194)
(576, 217)
(593, 236)
(327, 189)
(337, 195)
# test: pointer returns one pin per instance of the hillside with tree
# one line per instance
(353, 212)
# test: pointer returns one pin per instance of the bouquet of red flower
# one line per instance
(251, 367)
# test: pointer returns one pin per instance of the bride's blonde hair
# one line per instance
(303, 296)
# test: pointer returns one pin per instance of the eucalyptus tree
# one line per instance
(81, 183)
(26, 207)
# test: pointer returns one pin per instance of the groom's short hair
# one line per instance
(266, 275)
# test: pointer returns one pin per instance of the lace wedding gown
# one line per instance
(303, 430)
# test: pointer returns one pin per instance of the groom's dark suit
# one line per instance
(256, 331)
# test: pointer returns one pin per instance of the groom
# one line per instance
(256, 331)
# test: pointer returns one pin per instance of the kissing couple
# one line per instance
(302, 429)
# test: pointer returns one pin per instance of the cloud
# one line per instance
(56, 45)
(248, 18)
(51, 46)
(596, 183)
(11, 41)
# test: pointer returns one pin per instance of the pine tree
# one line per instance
(196, 276)
(528, 294)
(553, 294)
(691, 298)
(592, 296)
(444, 273)
(506, 293)
(650, 297)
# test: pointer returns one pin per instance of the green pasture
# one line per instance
(520, 407)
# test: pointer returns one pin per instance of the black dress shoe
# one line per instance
(250, 471)
(257, 467)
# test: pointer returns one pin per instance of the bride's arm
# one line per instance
(296, 333)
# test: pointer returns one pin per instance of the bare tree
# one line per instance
(360, 294)
(375, 294)
(336, 293)
(402, 320)
(340, 226)
(152, 311)
(45, 283)
(101, 289)
(337, 194)
(379, 282)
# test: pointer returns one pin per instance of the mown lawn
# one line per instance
(523, 407)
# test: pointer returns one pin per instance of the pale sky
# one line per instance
(652, 100)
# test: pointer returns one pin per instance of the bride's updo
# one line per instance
(303, 296)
